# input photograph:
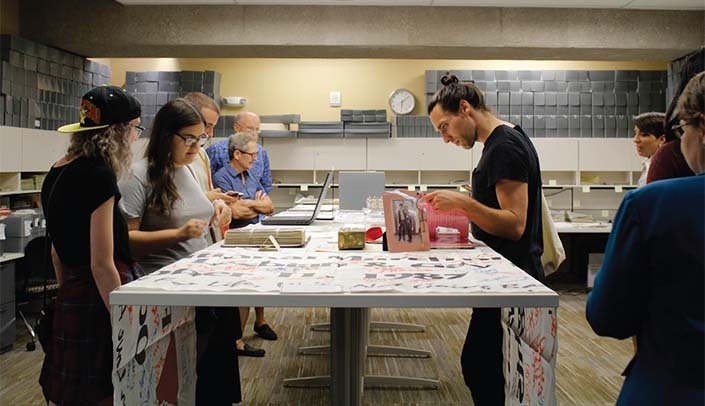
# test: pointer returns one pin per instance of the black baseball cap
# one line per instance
(104, 106)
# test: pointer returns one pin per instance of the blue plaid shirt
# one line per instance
(227, 179)
(218, 153)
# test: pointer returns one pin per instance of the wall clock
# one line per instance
(402, 101)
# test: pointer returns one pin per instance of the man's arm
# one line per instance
(266, 180)
(218, 154)
(507, 222)
(241, 210)
(261, 204)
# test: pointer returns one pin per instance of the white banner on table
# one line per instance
(244, 270)
(141, 339)
(529, 365)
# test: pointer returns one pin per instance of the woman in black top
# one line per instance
(90, 246)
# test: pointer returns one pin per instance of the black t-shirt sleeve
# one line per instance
(103, 185)
(508, 162)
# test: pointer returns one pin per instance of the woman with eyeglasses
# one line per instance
(167, 211)
(237, 176)
(652, 280)
(167, 215)
(89, 247)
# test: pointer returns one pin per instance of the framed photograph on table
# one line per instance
(405, 221)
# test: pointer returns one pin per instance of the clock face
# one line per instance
(402, 101)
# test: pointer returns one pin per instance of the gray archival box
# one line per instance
(356, 187)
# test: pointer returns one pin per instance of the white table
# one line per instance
(415, 277)
(10, 256)
(564, 227)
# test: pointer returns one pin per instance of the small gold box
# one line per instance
(351, 238)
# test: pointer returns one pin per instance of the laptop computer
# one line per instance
(287, 218)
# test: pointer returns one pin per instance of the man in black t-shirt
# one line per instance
(505, 212)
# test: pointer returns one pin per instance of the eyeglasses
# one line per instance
(678, 128)
(138, 128)
(252, 155)
(189, 140)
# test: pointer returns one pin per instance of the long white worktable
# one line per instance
(150, 312)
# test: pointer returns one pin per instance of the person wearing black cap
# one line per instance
(89, 246)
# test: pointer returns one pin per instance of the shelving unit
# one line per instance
(428, 162)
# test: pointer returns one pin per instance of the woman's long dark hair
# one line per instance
(170, 119)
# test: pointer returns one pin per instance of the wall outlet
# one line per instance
(576, 203)
(605, 213)
(334, 98)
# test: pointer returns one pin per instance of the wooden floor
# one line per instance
(587, 371)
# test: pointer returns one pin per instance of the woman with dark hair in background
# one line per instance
(167, 215)
(648, 138)
(90, 248)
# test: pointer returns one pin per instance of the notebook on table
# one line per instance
(301, 218)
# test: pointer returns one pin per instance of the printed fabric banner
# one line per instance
(145, 339)
(240, 270)
(529, 347)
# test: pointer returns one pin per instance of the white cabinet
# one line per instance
(557, 154)
(608, 154)
(25, 157)
(41, 148)
(341, 154)
(291, 154)
(393, 154)
(608, 161)
(306, 160)
(11, 151)
(416, 154)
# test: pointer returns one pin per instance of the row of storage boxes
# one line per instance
(333, 129)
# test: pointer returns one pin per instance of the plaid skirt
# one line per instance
(78, 364)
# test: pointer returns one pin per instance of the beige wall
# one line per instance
(281, 86)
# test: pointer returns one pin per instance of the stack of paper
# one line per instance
(256, 237)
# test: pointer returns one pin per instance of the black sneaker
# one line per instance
(249, 351)
(265, 332)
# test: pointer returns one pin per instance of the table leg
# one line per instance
(377, 325)
(372, 351)
(349, 328)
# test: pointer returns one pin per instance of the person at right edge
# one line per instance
(505, 212)
(652, 281)
(668, 161)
